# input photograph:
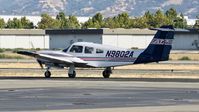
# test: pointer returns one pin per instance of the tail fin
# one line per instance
(160, 46)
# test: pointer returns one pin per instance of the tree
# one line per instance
(26, 24)
(22, 23)
(180, 22)
(160, 19)
(95, 22)
(62, 20)
(111, 23)
(98, 18)
(197, 23)
(139, 23)
(73, 23)
(123, 20)
(171, 13)
(70, 22)
(15, 24)
(47, 22)
(2, 23)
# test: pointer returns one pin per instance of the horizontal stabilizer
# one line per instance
(170, 30)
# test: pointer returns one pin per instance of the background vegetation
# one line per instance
(123, 20)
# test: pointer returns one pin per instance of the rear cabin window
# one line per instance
(99, 51)
(89, 50)
(76, 49)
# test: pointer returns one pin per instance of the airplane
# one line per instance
(87, 54)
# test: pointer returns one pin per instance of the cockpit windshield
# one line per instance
(76, 49)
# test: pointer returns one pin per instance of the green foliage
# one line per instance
(184, 58)
(2, 50)
(160, 19)
(197, 23)
(148, 20)
(111, 23)
(14, 24)
(4, 56)
(22, 23)
(95, 22)
(47, 22)
(180, 22)
(61, 22)
(72, 23)
(123, 20)
(171, 13)
(26, 24)
(2, 23)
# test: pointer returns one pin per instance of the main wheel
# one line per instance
(72, 75)
(47, 74)
(106, 74)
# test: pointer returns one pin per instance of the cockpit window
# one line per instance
(89, 50)
(99, 51)
(76, 49)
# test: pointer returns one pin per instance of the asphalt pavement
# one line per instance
(97, 94)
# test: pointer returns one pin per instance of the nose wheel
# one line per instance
(71, 72)
(73, 75)
(107, 72)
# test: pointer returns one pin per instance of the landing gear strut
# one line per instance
(107, 72)
(71, 72)
(47, 73)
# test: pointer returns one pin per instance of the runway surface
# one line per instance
(97, 94)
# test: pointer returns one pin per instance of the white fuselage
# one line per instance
(110, 57)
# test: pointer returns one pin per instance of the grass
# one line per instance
(5, 56)
(184, 58)
(11, 55)
(2, 50)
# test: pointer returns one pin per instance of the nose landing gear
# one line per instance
(71, 72)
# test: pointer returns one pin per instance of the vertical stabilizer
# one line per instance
(160, 46)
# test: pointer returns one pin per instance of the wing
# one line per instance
(53, 57)
(28, 53)
(62, 60)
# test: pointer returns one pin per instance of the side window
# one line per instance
(89, 50)
(99, 51)
(76, 49)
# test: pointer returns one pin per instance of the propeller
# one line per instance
(40, 63)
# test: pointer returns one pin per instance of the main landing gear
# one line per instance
(72, 74)
(107, 72)
(47, 73)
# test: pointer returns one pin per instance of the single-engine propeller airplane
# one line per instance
(86, 54)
